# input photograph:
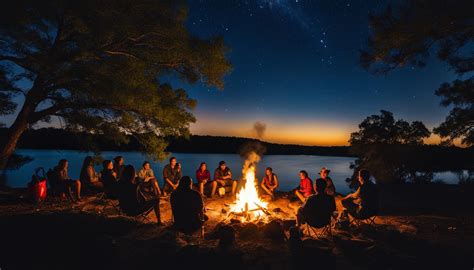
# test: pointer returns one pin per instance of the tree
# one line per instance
(409, 33)
(97, 66)
(460, 121)
(387, 147)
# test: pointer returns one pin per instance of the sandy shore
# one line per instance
(78, 236)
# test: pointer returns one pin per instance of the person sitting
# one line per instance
(269, 182)
(63, 184)
(324, 175)
(363, 203)
(305, 188)
(171, 175)
(147, 178)
(130, 200)
(223, 178)
(89, 177)
(119, 165)
(203, 177)
(109, 179)
(187, 207)
(318, 209)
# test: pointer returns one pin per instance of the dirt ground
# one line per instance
(62, 235)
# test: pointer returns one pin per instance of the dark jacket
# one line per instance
(318, 209)
(187, 207)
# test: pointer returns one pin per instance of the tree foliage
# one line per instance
(385, 147)
(412, 31)
(460, 121)
(97, 66)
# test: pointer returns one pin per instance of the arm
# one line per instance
(228, 175)
(276, 183)
(166, 177)
(264, 187)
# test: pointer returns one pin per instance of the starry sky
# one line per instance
(296, 71)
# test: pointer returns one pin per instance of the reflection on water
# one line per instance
(285, 166)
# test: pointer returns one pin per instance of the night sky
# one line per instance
(295, 69)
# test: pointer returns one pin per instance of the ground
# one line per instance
(61, 235)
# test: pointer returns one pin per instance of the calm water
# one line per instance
(285, 166)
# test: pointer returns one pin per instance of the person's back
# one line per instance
(127, 192)
(110, 183)
(318, 209)
(369, 199)
(187, 207)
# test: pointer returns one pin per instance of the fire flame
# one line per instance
(247, 200)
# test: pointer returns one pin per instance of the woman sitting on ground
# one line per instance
(269, 182)
(131, 203)
(305, 188)
(63, 183)
(89, 177)
(203, 177)
(148, 179)
(109, 179)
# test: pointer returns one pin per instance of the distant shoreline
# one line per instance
(59, 139)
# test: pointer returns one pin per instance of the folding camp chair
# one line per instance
(106, 201)
(361, 221)
(323, 231)
(144, 217)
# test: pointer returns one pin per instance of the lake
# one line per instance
(285, 166)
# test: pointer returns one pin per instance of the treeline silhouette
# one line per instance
(53, 138)
(421, 157)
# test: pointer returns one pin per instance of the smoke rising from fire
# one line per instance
(251, 161)
(259, 128)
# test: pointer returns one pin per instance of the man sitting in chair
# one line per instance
(318, 209)
(363, 203)
(223, 178)
(187, 207)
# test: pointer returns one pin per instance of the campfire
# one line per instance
(248, 205)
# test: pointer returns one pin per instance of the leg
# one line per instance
(300, 196)
(167, 188)
(299, 217)
(339, 206)
(156, 187)
(351, 207)
(234, 187)
(201, 188)
(156, 208)
(77, 185)
(267, 190)
(214, 188)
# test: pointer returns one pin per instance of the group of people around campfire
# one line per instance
(139, 192)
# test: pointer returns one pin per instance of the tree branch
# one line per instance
(121, 53)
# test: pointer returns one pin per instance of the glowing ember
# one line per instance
(247, 201)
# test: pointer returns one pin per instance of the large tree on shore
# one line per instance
(97, 66)
(408, 33)
(387, 147)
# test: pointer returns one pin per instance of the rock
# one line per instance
(226, 237)
(248, 231)
(274, 231)
(235, 221)
(288, 223)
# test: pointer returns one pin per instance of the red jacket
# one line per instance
(203, 175)
(306, 187)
